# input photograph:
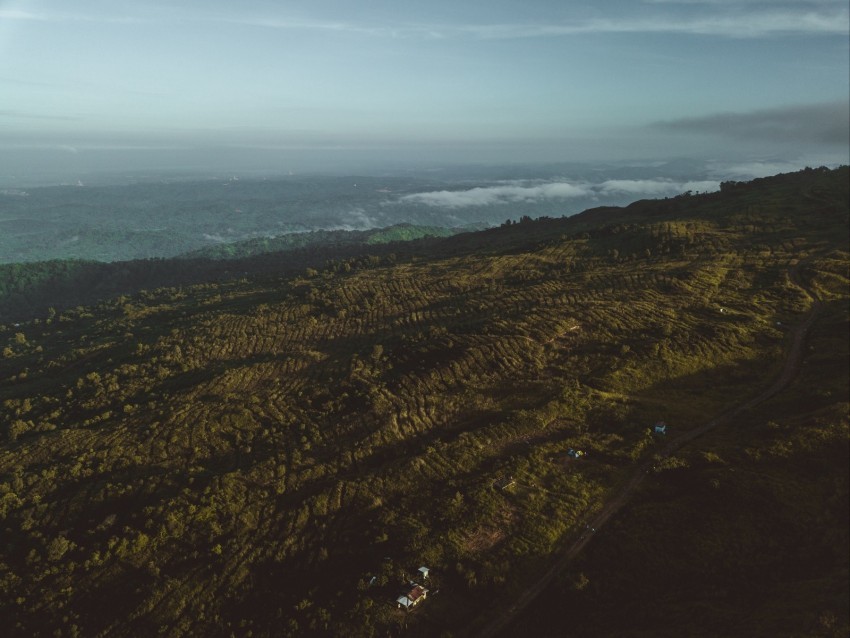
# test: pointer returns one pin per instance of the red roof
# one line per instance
(416, 592)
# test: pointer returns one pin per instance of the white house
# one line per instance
(416, 595)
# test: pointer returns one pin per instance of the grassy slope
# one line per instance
(746, 534)
(245, 455)
(29, 290)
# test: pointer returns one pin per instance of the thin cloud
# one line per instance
(17, 14)
(758, 20)
(751, 25)
(755, 168)
(814, 123)
(494, 195)
(740, 20)
(10, 113)
(360, 220)
(310, 25)
(765, 167)
(812, 20)
(654, 187)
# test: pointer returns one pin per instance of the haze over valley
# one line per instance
(171, 215)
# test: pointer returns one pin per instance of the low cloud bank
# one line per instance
(490, 195)
(496, 195)
(826, 123)
(763, 168)
(655, 187)
(358, 219)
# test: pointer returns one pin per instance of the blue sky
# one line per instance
(474, 80)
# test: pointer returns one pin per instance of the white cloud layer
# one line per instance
(495, 195)
(654, 187)
(488, 196)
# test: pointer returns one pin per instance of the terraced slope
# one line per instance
(246, 457)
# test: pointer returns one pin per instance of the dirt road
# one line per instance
(793, 361)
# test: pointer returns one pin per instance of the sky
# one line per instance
(261, 81)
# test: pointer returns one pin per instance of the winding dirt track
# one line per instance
(790, 369)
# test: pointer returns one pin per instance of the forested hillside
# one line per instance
(33, 289)
(277, 455)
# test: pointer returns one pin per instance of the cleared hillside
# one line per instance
(246, 456)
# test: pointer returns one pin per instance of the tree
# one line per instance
(58, 547)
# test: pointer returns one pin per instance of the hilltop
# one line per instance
(278, 452)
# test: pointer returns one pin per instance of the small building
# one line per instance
(660, 428)
(416, 595)
(504, 482)
(423, 572)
